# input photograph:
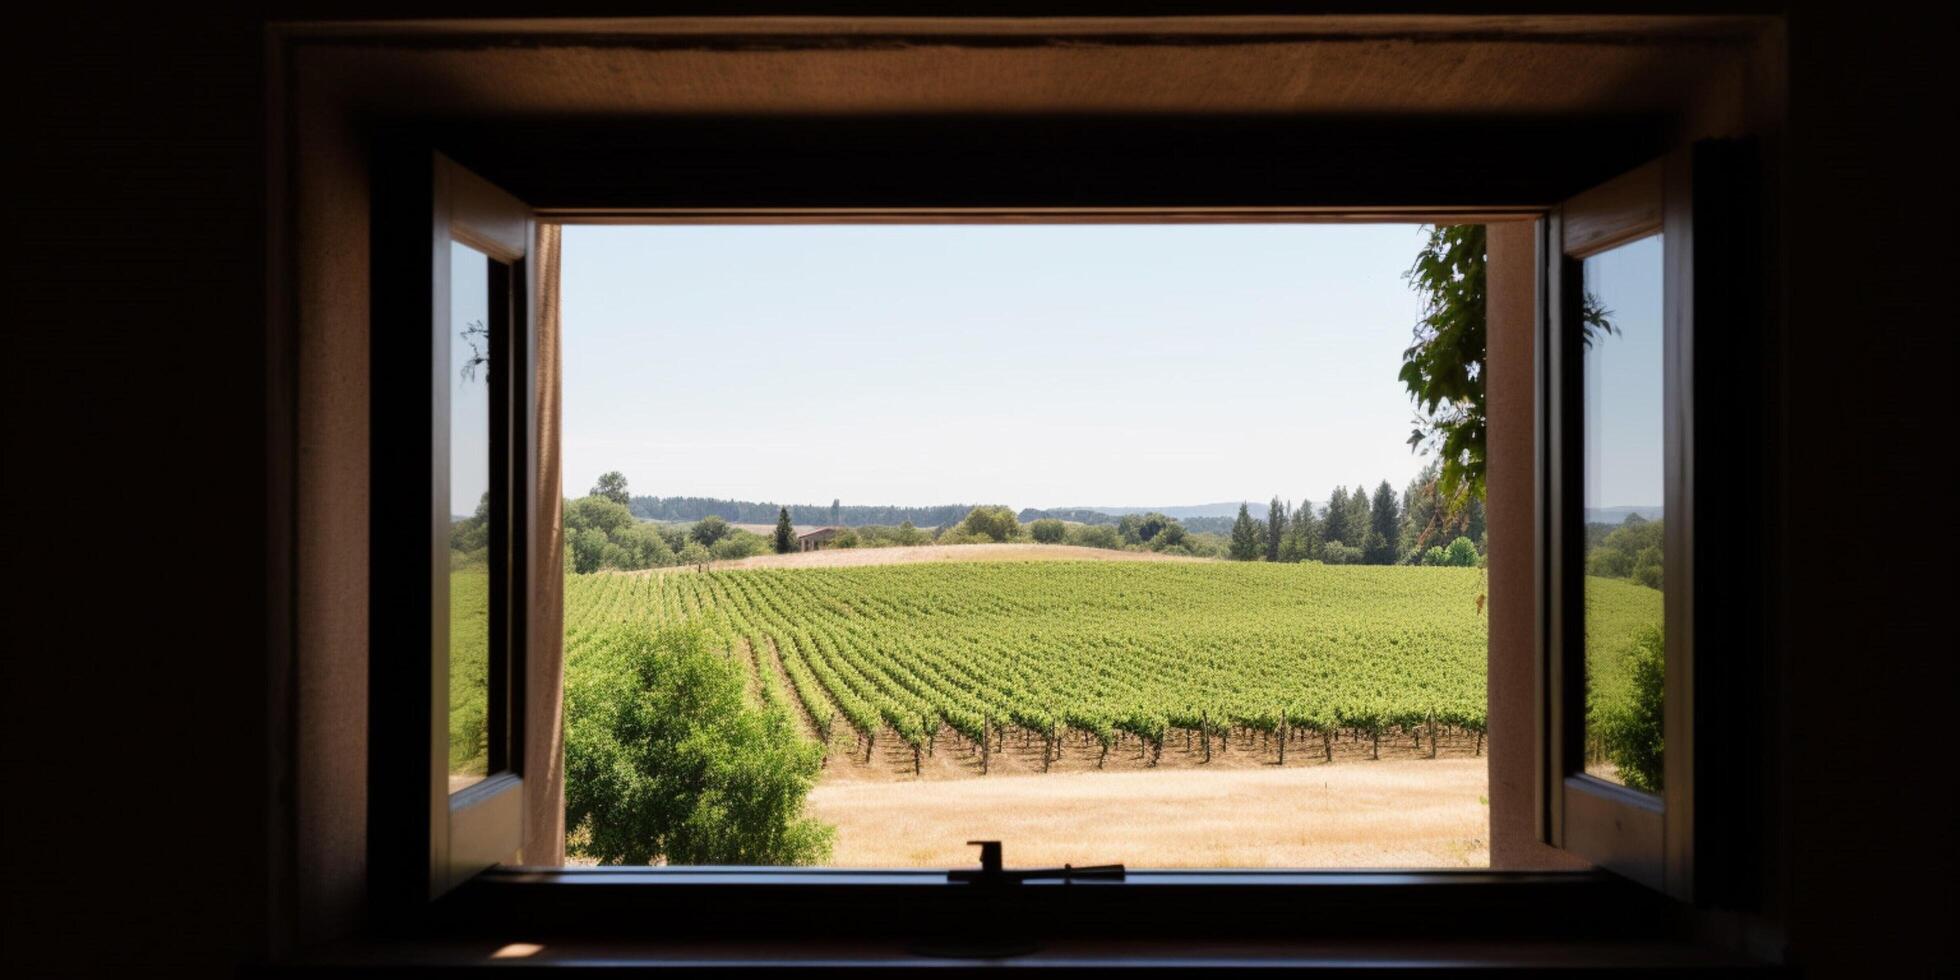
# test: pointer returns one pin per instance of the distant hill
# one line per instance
(1616, 515)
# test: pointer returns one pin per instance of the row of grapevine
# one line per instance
(1103, 651)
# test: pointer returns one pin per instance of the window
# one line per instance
(1646, 280)
(1165, 628)
(460, 484)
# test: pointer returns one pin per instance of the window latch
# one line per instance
(992, 873)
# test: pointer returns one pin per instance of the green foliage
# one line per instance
(1462, 553)
(1277, 520)
(1172, 536)
(1333, 526)
(1048, 531)
(993, 523)
(738, 543)
(602, 533)
(708, 530)
(1095, 536)
(469, 670)
(1337, 553)
(785, 540)
(1630, 729)
(665, 760)
(1443, 367)
(1631, 551)
(1245, 538)
(1384, 527)
(612, 486)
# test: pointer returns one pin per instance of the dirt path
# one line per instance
(847, 557)
(1417, 813)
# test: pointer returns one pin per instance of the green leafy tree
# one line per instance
(1172, 536)
(709, 530)
(785, 533)
(1276, 521)
(666, 760)
(836, 511)
(1048, 530)
(612, 486)
(1245, 537)
(909, 535)
(993, 523)
(1443, 367)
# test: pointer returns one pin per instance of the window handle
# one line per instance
(993, 873)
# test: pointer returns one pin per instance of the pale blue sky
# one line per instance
(469, 399)
(1623, 383)
(1036, 366)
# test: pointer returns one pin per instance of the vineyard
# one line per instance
(1103, 655)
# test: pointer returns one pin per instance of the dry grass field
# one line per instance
(1410, 813)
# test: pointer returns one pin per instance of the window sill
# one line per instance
(762, 919)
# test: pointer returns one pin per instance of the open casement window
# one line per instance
(1646, 408)
(453, 428)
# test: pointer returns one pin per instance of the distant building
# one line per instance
(816, 538)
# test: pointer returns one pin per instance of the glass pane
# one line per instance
(1624, 479)
(469, 509)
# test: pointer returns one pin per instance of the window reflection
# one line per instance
(1625, 469)
(469, 509)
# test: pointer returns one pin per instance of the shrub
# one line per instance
(992, 523)
(1048, 531)
(666, 760)
(1631, 730)
(1435, 556)
(1336, 553)
(1462, 553)
(1095, 536)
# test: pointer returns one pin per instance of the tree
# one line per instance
(612, 486)
(1173, 535)
(665, 759)
(1443, 366)
(836, 511)
(1276, 520)
(1245, 537)
(1333, 526)
(785, 533)
(709, 530)
(994, 523)
(1306, 532)
(1384, 527)
(1048, 530)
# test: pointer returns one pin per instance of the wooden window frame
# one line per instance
(480, 825)
(1689, 841)
(507, 902)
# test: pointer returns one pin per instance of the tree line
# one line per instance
(1416, 527)
(835, 513)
